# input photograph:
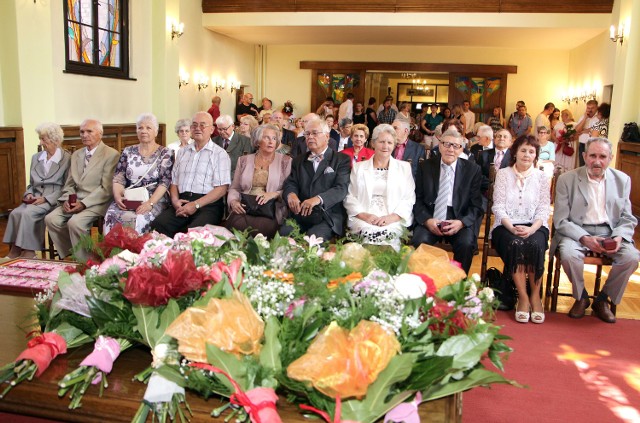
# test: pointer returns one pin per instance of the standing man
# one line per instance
(87, 192)
(199, 181)
(583, 127)
(246, 107)
(515, 113)
(593, 214)
(448, 200)
(407, 150)
(214, 111)
(430, 121)
(346, 108)
(469, 118)
(234, 144)
(387, 114)
(521, 123)
(317, 185)
(543, 118)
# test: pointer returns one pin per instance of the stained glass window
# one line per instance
(96, 37)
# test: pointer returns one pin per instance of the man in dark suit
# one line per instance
(485, 141)
(288, 136)
(299, 146)
(233, 143)
(448, 200)
(317, 185)
(487, 158)
(407, 150)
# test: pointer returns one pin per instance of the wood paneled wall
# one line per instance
(12, 174)
(628, 161)
(117, 136)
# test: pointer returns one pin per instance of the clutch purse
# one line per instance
(134, 197)
(251, 206)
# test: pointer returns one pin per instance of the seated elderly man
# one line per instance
(407, 150)
(87, 192)
(231, 141)
(199, 181)
(485, 141)
(448, 200)
(300, 145)
(317, 185)
(593, 214)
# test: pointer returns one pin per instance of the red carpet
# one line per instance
(575, 370)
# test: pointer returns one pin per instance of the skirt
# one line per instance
(526, 254)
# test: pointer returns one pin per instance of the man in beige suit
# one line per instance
(593, 213)
(89, 181)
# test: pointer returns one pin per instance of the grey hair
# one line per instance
(403, 123)
(323, 125)
(452, 132)
(256, 134)
(485, 131)
(148, 117)
(224, 120)
(344, 122)
(51, 130)
(384, 128)
(182, 122)
(99, 126)
(603, 140)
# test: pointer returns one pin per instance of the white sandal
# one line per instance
(537, 317)
(522, 316)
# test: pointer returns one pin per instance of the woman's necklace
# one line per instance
(262, 163)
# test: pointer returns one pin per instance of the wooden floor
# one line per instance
(629, 308)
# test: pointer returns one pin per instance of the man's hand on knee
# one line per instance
(593, 243)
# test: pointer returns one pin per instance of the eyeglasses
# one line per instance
(224, 129)
(502, 136)
(455, 146)
(199, 125)
(312, 134)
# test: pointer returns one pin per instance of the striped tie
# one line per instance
(498, 160)
(87, 158)
(440, 211)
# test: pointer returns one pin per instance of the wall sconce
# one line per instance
(177, 30)
(219, 85)
(203, 82)
(616, 36)
(183, 79)
(584, 96)
(234, 86)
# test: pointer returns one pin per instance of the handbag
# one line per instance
(503, 288)
(251, 206)
(630, 133)
(568, 150)
(135, 196)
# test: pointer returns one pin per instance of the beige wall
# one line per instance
(540, 78)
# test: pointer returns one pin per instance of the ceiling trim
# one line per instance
(408, 67)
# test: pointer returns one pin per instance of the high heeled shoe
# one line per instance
(522, 316)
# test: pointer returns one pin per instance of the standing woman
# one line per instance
(359, 136)
(456, 113)
(145, 165)
(565, 143)
(372, 116)
(49, 169)
(496, 120)
(261, 174)
(520, 231)
(183, 129)
(358, 113)
(381, 193)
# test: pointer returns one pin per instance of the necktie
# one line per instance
(440, 211)
(316, 159)
(87, 158)
(498, 159)
(226, 144)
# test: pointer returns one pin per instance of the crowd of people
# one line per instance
(375, 181)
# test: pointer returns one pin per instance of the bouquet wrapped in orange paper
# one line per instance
(435, 262)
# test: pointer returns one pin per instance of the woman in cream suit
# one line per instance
(381, 193)
(49, 169)
(261, 174)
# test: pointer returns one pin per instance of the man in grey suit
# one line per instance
(593, 213)
(87, 192)
(233, 143)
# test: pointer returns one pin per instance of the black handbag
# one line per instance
(251, 206)
(630, 133)
(503, 288)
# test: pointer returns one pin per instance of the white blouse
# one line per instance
(521, 205)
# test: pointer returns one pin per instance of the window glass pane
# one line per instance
(109, 42)
(80, 11)
(108, 15)
(87, 44)
(75, 49)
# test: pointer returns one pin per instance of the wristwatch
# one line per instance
(197, 205)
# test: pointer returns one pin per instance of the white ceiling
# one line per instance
(553, 31)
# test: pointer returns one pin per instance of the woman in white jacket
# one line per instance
(381, 193)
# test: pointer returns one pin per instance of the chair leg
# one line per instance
(596, 285)
(556, 284)
(547, 291)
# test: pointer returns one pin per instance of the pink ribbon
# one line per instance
(260, 403)
(406, 412)
(105, 352)
(42, 349)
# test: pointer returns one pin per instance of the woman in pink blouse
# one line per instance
(520, 231)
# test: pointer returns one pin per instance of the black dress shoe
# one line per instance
(577, 311)
(603, 312)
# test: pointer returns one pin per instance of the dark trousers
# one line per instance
(581, 149)
(463, 243)
(169, 224)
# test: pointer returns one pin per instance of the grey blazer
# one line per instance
(239, 145)
(570, 206)
(48, 186)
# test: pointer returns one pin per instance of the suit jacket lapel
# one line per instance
(457, 183)
(610, 193)
(328, 154)
(583, 184)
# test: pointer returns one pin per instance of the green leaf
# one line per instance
(466, 350)
(233, 366)
(64, 279)
(374, 403)
(270, 354)
(426, 372)
(172, 374)
(477, 377)
(153, 321)
(70, 333)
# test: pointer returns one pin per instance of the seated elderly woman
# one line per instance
(255, 195)
(49, 169)
(381, 193)
(359, 136)
(520, 230)
(183, 129)
(247, 124)
(145, 165)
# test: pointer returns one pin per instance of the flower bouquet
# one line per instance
(565, 139)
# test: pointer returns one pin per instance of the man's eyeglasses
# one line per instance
(199, 125)
(312, 134)
(451, 145)
(224, 129)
